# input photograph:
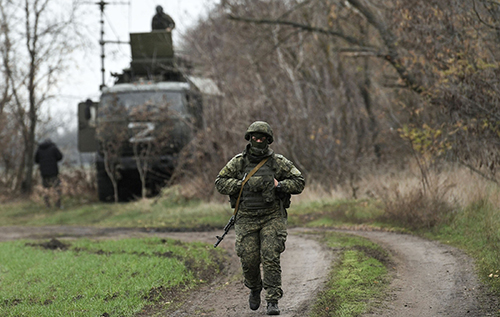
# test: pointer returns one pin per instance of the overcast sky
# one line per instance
(121, 18)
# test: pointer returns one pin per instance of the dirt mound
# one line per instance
(53, 244)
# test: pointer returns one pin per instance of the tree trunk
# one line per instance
(32, 43)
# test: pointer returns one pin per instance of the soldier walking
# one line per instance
(261, 218)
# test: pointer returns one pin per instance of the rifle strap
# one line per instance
(253, 171)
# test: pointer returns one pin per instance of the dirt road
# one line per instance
(430, 279)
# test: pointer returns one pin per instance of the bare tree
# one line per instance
(112, 135)
(39, 39)
(354, 83)
(303, 83)
(154, 125)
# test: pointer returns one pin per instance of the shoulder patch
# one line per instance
(295, 172)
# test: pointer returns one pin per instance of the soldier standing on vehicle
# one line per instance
(261, 218)
(162, 21)
(47, 155)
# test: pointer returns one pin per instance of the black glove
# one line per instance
(255, 184)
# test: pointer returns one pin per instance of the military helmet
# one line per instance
(260, 127)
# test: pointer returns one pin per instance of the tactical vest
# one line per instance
(260, 202)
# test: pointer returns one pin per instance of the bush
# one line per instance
(76, 183)
(418, 209)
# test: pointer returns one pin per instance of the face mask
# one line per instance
(259, 141)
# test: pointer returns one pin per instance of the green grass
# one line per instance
(331, 213)
(475, 229)
(174, 212)
(359, 276)
(143, 213)
(91, 278)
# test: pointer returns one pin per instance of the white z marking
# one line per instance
(145, 129)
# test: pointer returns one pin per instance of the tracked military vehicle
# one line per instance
(141, 123)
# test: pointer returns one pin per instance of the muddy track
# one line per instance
(429, 279)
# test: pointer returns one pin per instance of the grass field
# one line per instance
(94, 278)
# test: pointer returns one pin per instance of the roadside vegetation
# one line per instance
(359, 275)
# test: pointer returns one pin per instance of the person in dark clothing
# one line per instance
(162, 21)
(47, 156)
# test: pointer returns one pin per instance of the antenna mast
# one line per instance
(102, 5)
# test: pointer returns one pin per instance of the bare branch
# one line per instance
(392, 55)
(481, 19)
(304, 27)
(475, 170)
(390, 41)
(353, 52)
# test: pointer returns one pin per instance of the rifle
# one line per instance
(226, 230)
(233, 217)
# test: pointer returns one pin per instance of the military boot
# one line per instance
(254, 299)
(272, 308)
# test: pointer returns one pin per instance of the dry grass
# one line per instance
(417, 203)
(453, 184)
(76, 183)
(407, 202)
(315, 191)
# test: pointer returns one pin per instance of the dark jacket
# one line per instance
(47, 155)
(162, 21)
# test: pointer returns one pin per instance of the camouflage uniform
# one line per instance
(261, 219)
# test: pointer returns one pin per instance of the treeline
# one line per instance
(351, 87)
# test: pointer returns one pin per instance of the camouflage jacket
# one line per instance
(229, 180)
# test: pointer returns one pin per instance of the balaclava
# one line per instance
(259, 148)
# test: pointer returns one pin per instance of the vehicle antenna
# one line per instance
(102, 5)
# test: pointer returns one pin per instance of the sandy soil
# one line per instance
(430, 279)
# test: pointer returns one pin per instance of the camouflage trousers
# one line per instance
(261, 240)
(52, 184)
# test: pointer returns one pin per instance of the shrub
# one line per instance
(418, 209)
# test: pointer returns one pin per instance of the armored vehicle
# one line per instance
(140, 124)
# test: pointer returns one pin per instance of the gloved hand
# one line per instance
(264, 184)
(255, 184)
(268, 191)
